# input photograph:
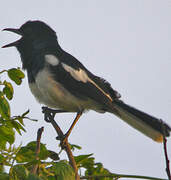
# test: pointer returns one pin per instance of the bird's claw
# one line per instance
(48, 114)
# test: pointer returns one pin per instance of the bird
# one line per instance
(59, 81)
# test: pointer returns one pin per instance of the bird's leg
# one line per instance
(50, 113)
(49, 116)
(65, 138)
(73, 124)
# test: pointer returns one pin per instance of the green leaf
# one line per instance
(1, 158)
(81, 160)
(8, 90)
(33, 177)
(7, 134)
(74, 146)
(23, 116)
(4, 176)
(98, 169)
(2, 169)
(18, 127)
(20, 172)
(53, 155)
(51, 178)
(4, 107)
(20, 119)
(3, 144)
(28, 153)
(16, 75)
(63, 171)
(25, 113)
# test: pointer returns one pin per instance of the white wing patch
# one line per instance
(51, 59)
(81, 75)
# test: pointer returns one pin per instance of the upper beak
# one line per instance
(17, 31)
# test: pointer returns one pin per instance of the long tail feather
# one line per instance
(150, 126)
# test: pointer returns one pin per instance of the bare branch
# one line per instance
(117, 176)
(166, 158)
(39, 134)
(165, 152)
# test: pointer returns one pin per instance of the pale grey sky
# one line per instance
(125, 41)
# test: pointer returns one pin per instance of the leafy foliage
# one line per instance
(6, 134)
(63, 170)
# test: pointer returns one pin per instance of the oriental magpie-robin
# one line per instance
(60, 81)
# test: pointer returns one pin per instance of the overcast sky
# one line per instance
(127, 43)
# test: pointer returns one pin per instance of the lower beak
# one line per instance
(17, 31)
(11, 44)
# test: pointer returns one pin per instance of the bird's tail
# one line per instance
(145, 123)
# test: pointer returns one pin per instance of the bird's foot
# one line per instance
(50, 113)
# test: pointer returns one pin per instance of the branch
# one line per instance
(3, 71)
(49, 117)
(166, 158)
(39, 134)
(165, 152)
(117, 176)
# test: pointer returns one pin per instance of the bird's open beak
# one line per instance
(17, 31)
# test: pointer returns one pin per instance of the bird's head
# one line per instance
(31, 32)
(36, 37)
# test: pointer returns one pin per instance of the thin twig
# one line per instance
(166, 158)
(165, 151)
(50, 117)
(39, 134)
(117, 176)
(3, 71)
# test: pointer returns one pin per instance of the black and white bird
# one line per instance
(59, 81)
